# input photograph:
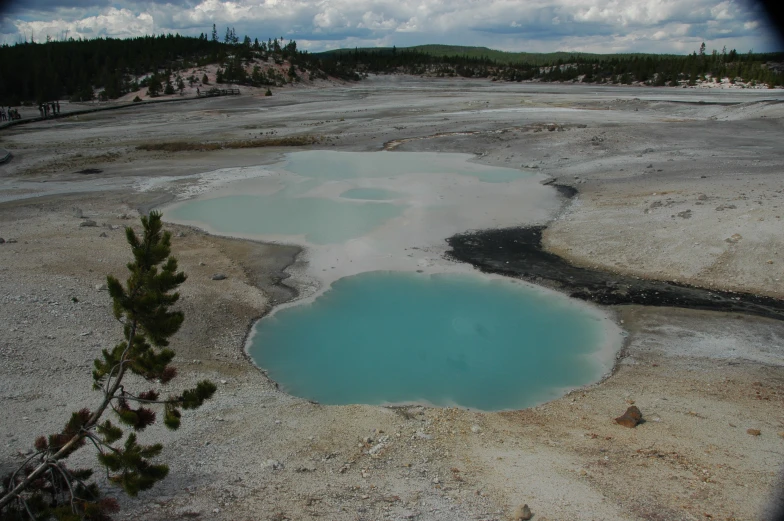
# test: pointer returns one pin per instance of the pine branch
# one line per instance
(27, 507)
(143, 309)
(68, 483)
(65, 450)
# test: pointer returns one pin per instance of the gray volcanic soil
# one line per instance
(670, 189)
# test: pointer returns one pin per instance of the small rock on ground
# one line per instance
(630, 418)
(522, 513)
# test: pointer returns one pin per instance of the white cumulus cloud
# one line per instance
(118, 23)
(523, 25)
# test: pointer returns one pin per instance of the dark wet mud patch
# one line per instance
(517, 252)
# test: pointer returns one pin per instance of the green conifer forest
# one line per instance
(81, 70)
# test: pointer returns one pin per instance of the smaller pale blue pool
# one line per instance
(371, 194)
(328, 165)
(446, 340)
(318, 220)
(326, 197)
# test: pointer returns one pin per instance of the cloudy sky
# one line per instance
(604, 26)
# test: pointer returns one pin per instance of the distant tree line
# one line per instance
(76, 68)
(655, 70)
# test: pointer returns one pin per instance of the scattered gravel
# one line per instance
(704, 379)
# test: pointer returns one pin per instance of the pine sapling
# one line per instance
(43, 487)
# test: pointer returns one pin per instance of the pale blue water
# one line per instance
(294, 209)
(370, 194)
(461, 340)
(320, 220)
(332, 165)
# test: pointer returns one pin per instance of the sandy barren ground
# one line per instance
(664, 182)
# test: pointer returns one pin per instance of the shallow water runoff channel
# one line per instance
(382, 317)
